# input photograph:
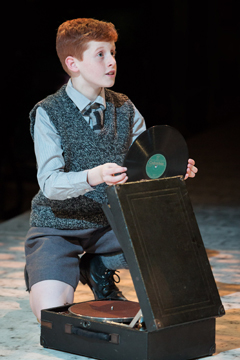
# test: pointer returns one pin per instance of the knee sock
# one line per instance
(114, 261)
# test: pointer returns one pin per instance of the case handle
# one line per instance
(112, 338)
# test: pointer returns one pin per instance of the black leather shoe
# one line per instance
(100, 280)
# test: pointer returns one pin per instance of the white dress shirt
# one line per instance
(53, 181)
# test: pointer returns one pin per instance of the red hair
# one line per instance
(73, 37)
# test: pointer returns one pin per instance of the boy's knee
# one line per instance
(49, 293)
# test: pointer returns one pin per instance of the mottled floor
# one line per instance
(216, 200)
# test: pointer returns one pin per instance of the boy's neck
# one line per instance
(87, 91)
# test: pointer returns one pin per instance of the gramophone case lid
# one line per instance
(158, 232)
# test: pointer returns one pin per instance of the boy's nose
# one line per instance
(112, 61)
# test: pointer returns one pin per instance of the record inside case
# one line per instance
(160, 151)
(106, 310)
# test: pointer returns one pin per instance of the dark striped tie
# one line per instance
(95, 113)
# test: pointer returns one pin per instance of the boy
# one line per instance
(81, 135)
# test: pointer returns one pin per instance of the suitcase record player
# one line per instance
(178, 298)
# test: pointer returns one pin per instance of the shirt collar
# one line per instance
(82, 101)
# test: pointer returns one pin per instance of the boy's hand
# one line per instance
(106, 173)
(191, 169)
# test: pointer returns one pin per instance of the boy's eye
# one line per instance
(100, 54)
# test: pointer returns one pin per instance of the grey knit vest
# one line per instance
(82, 149)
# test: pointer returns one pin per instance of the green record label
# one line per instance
(156, 166)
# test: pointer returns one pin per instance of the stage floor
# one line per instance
(215, 197)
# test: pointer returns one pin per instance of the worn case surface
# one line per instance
(107, 341)
(157, 229)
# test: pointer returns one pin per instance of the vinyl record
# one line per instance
(106, 310)
(160, 151)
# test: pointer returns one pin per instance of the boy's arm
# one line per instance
(138, 125)
(53, 181)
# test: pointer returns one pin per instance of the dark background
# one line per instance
(178, 61)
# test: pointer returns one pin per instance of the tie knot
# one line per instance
(95, 114)
(91, 108)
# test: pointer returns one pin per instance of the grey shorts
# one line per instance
(53, 254)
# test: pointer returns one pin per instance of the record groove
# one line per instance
(160, 151)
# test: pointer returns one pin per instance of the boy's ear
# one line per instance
(71, 64)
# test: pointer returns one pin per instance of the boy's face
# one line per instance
(98, 67)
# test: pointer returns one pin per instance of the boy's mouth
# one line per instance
(111, 73)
